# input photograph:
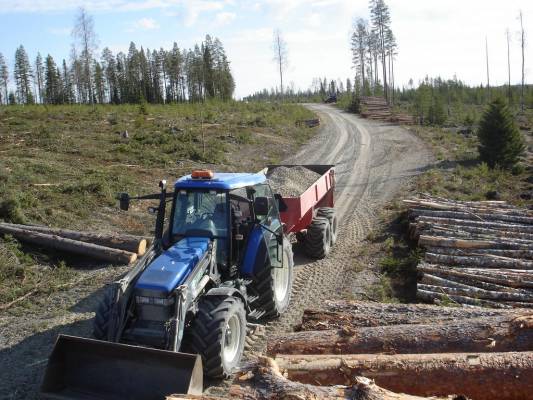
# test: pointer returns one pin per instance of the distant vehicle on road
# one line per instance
(332, 98)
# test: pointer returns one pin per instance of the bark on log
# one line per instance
(438, 297)
(438, 241)
(129, 243)
(457, 233)
(493, 334)
(471, 208)
(480, 376)
(477, 216)
(474, 231)
(467, 283)
(479, 224)
(483, 294)
(266, 382)
(339, 314)
(485, 260)
(71, 246)
(496, 281)
(523, 254)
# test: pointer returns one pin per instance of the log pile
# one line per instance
(110, 247)
(417, 349)
(477, 253)
(376, 108)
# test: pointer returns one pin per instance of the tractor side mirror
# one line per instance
(124, 199)
(261, 206)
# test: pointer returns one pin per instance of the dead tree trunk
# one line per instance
(495, 376)
(492, 334)
(129, 243)
(71, 246)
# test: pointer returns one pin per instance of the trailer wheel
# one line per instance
(272, 286)
(329, 213)
(318, 238)
(101, 319)
(218, 333)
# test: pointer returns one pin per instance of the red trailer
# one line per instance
(311, 216)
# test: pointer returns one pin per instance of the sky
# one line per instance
(435, 37)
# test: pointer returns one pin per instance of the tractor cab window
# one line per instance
(200, 213)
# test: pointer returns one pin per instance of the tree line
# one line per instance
(154, 76)
(374, 48)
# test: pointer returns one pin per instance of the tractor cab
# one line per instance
(225, 208)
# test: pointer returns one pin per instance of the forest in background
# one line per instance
(153, 76)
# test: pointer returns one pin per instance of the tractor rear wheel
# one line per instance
(329, 213)
(101, 319)
(272, 286)
(218, 333)
(318, 238)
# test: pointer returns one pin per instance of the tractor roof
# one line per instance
(220, 180)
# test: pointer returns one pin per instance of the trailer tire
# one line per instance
(318, 238)
(218, 334)
(331, 215)
(103, 312)
(272, 296)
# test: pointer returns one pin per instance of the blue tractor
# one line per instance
(222, 259)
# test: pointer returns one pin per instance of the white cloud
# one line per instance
(146, 24)
(60, 31)
(225, 18)
(196, 7)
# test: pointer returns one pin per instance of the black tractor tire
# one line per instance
(329, 213)
(318, 238)
(270, 298)
(103, 313)
(210, 330)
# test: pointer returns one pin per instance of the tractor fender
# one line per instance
(256, 254)
(227, 291)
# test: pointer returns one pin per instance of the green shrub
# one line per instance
(500, 140)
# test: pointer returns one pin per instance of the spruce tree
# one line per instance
(501, 143)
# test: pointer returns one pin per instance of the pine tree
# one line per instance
(501, 143)
(4, 79)
(380, 16)
(23, 76)
(53, 87)
(359, 47)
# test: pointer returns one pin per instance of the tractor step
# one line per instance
(256, 314)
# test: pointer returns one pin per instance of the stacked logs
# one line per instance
(418, 349)
(110, 247)
(477, 253)
(377, 108)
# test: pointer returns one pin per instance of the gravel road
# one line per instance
(372, 161)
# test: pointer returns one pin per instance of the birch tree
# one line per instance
(280, 55)
(4, 79)
(523, 45)
(83, 33)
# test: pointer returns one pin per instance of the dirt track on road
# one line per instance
(372, 161)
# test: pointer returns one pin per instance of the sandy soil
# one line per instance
(372, 161)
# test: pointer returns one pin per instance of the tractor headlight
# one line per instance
(154, 301)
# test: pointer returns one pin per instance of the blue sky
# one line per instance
(435, 37)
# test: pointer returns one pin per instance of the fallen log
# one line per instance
(129, 243)
(480, 376)
(339, 314)
(498, 281)
(438, 297)
(266, 382)
(523, 254)
(477, 216)
(475, 223)
(500, 333)
(449, 231)
(526, 299)
(485, 260)
(438, 241)
(71, 246)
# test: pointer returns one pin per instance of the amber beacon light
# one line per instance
(202, 174)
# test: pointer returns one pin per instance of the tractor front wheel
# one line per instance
(101, 319)
(218, 333)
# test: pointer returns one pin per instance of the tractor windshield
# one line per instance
(200, 213)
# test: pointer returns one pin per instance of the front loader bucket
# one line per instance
(87, 369)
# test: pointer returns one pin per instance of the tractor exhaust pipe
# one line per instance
(88, 369)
